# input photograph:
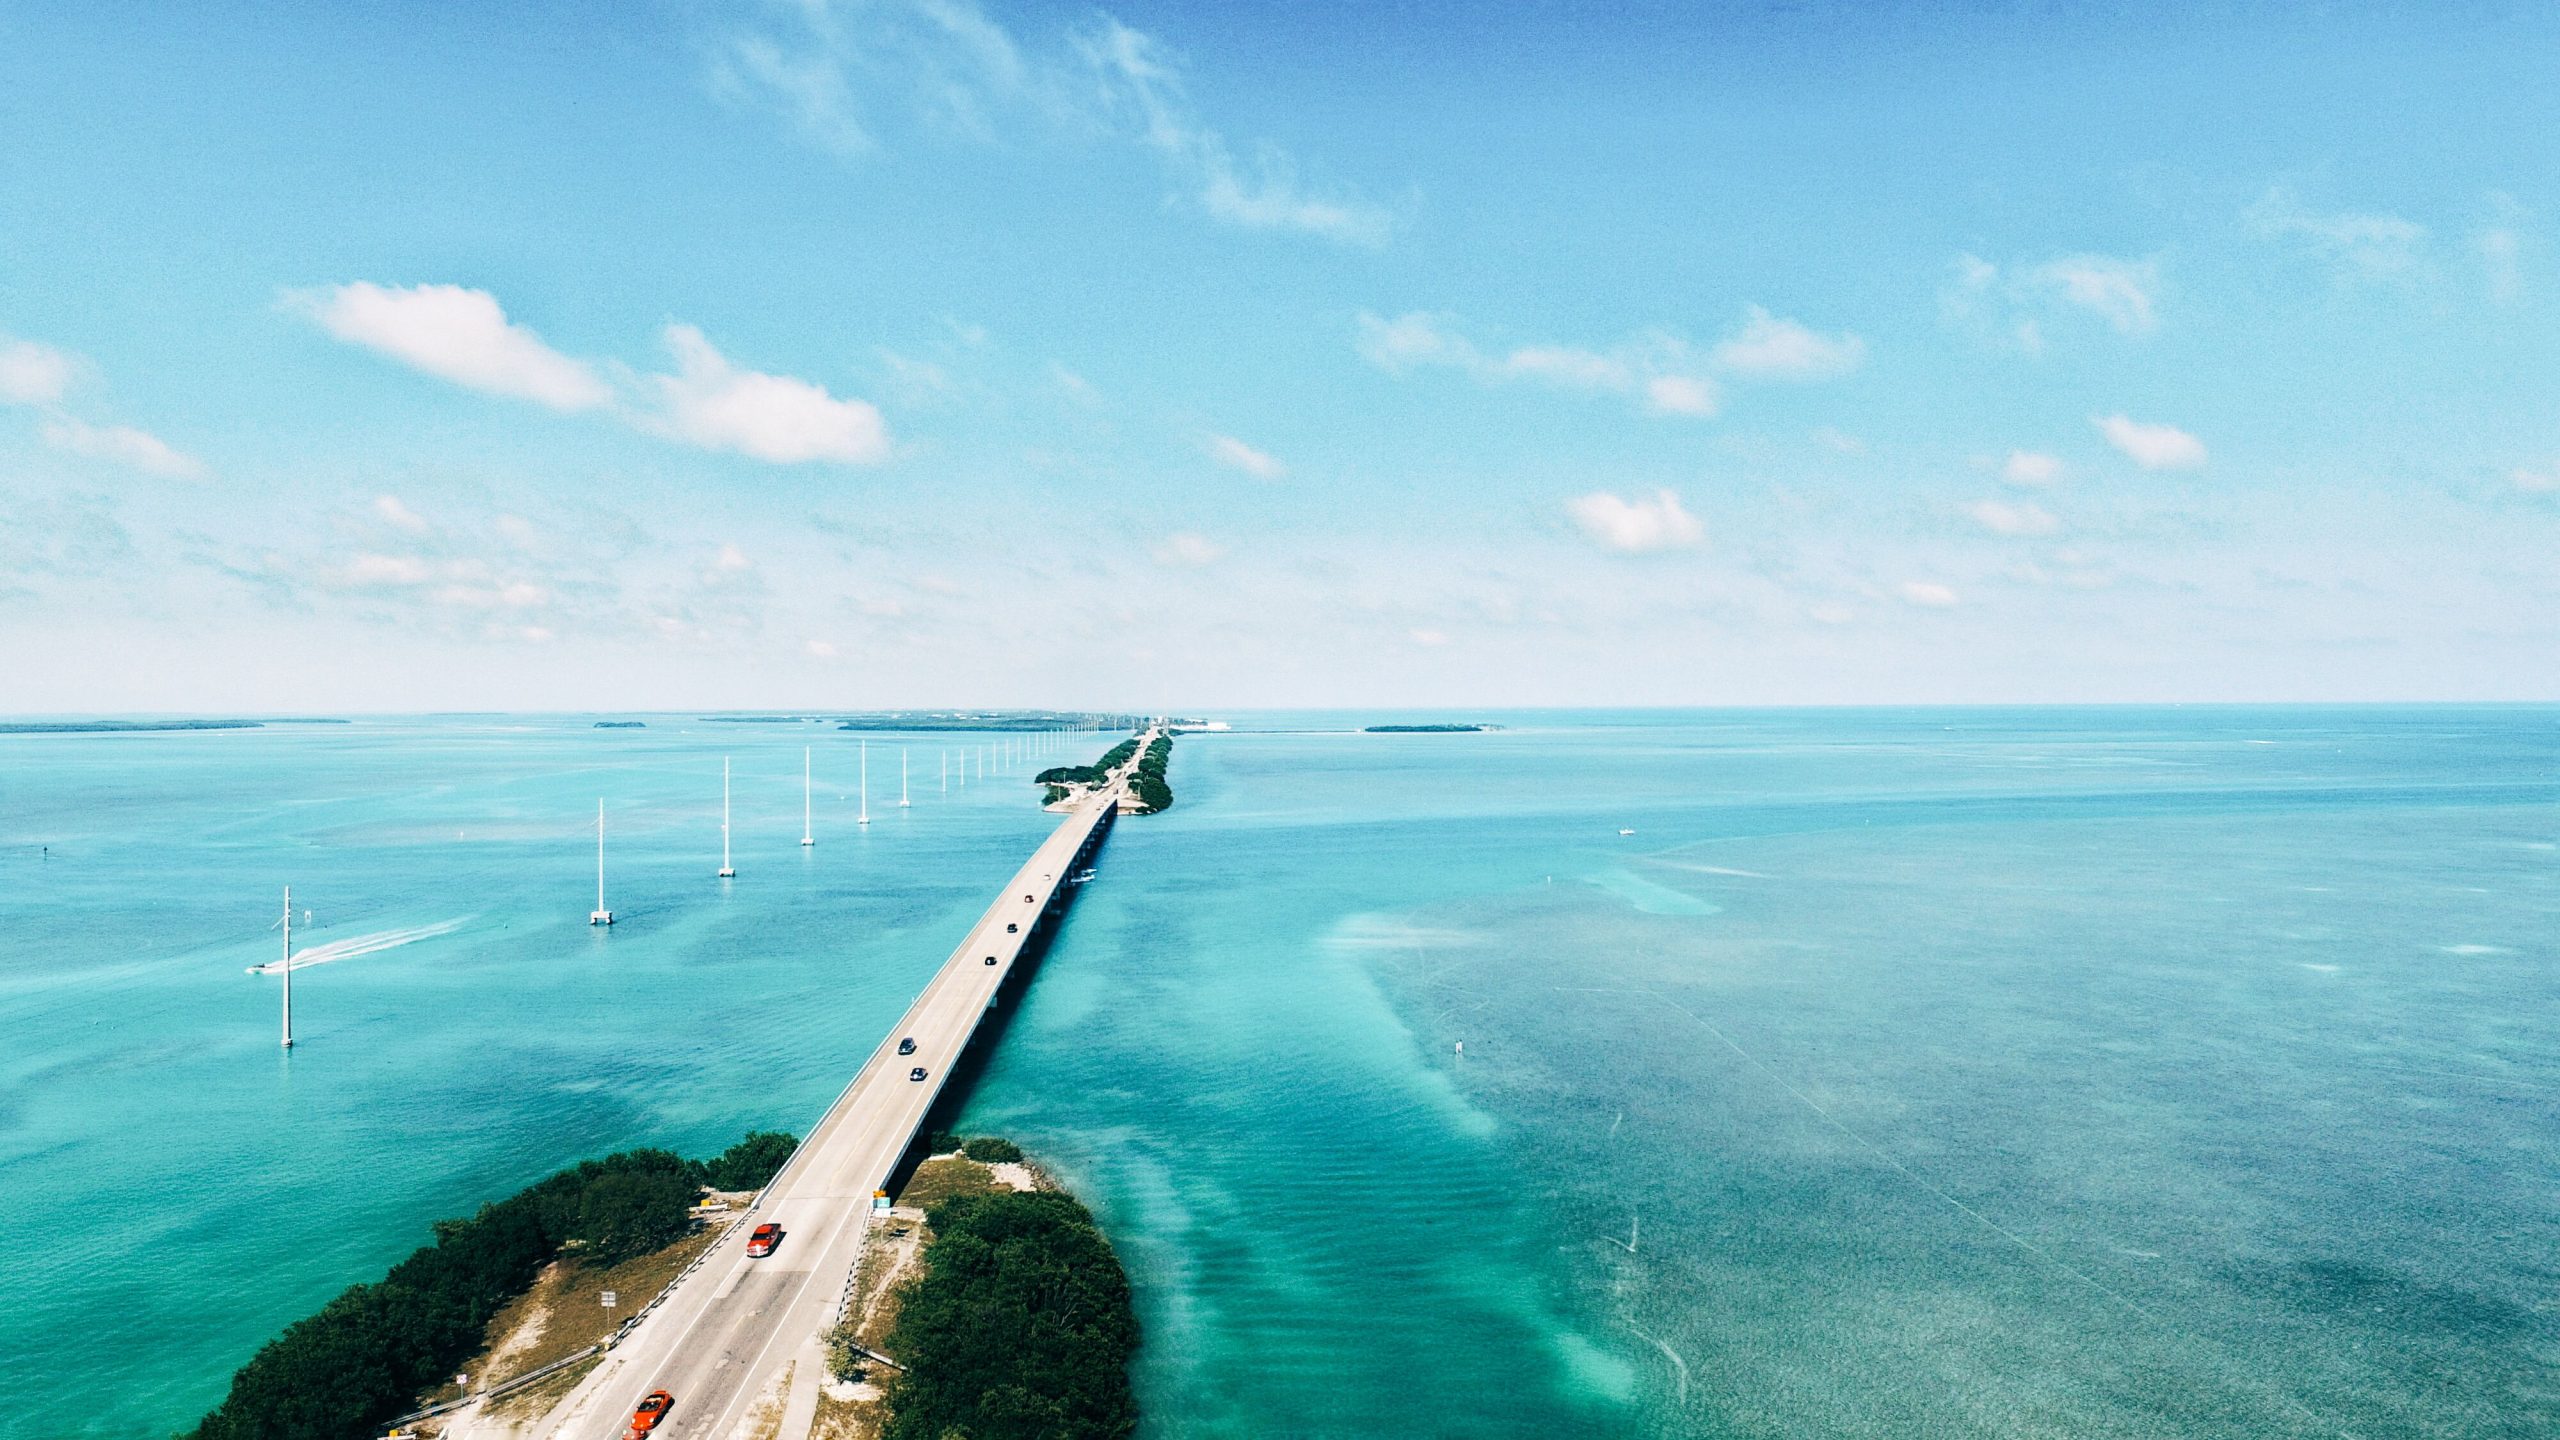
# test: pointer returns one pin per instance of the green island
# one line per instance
(371, 1354)
(622, 724)
(999, 1301)
(1422, 729)
(119, 727)
(1148, 785)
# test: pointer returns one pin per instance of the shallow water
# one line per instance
(2000, 1073)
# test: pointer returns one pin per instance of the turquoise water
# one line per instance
(1999, 1073)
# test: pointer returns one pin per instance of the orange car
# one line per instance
(652, 1410)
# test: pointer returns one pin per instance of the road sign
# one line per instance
(610, 1299)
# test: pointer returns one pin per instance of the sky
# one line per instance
(815, 354)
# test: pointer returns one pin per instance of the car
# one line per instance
(1026, 899)
(907, 1046)
(916, 1074)
(991, 959)
(761, 1243)
(1012, 929)
(653, 1408)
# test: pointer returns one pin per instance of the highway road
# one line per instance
(720, 1341)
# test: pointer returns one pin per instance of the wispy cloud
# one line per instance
(2536, 482)
(954, 68)
(459, 335)
(2356, 245)
(1770, 348)
(2002, 517)
(2153, 447)
(42, 378)
(1928, 594)
(1659, 369)
(2031, 467)
(1233, 453)
(1184, 549)
(2012, 304)
(2501, 247)
(1639, 526)
(123, 445)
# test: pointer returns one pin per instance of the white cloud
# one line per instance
(368, 571)
(33, 374)
(1188, 550)
(1838, 441)
(731, 560)
(458, 335)
(1237, 455)
(787, 421)
(2366, 246)
(1639, 526)
(123, 445)
(1658, 368)
(2001, 518)
(1429, 637)
(1770, 348)
(820, 649)
(1681, 395)
(2030, 467)
(949, 65)
(2009, 306)
(2501, 246)
(2120, 291)
(2153, 447)
(2536, 482)
(1140, 82)
(399, 516)
(1832, 613)
(1928, 594)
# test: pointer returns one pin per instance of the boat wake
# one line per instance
(353, 946)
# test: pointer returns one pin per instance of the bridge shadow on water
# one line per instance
(944, 1117)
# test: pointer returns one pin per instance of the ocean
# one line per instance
(2002, 1073)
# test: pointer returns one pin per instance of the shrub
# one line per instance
(365, 1356)
(1019, 1329)
(990, 1149)
(630, 1212)
(750, 1164)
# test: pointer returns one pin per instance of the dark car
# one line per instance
(991, 959)
(916, 1074)
(652, 1409)
(1026, 899)
(907, 1046)
(1012, 929)
(761, 1243)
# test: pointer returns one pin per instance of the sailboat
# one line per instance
(727, 870)
(600, 916)
(806, 837)
(287, 967)
(903, 802)
(863, 817)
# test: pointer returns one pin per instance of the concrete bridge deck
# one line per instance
(720, 1339)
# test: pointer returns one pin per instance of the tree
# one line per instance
(626, 1213)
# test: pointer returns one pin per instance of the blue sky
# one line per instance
(823, 354)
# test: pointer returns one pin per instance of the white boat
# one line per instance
(1625, 831)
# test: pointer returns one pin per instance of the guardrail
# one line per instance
(503, 1387)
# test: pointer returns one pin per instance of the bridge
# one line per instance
(719, 1339)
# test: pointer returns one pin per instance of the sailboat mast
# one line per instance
(726, 869)
(600, 915)
(288, 967)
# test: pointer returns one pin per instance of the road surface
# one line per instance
(720, 1340)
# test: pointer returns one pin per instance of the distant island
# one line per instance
(622, 724)
(118, 727)
(1423, 729)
